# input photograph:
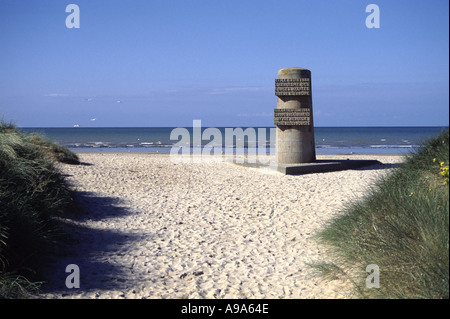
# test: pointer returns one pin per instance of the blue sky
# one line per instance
(166, 63)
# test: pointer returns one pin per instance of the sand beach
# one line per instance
(151, 228)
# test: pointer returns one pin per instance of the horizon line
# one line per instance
(356, 126)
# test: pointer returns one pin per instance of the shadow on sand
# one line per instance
(379, 166)
(91, 249)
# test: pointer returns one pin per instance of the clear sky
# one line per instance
(168, 62)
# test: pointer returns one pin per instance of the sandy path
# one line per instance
(155, 229)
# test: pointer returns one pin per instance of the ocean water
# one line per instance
(328, 140)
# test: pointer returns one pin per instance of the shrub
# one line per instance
(402, 226)
(32, 193)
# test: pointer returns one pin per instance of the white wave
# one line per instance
(392, 146)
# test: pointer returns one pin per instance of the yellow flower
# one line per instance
(434, 160)
(444, 171)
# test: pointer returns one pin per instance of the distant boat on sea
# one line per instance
(328, 140)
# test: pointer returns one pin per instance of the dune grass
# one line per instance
(402, 226)
(32, 193)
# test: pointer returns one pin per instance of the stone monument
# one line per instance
(294, 117)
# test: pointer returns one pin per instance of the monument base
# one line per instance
(323, 166)
(319, 166)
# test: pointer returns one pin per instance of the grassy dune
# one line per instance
(402, 226)
(32, 193)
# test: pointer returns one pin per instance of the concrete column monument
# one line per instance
(294, 117)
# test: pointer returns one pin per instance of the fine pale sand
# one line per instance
(156, 229)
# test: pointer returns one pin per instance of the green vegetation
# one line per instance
(401, 226)
(32, 194)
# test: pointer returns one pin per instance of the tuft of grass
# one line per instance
(402, 226)
(53, 150)
(32, 194)
(7, 127)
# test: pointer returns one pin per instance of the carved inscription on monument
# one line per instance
(299, 117)
(284, 87)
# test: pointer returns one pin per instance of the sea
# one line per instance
(328, 140)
